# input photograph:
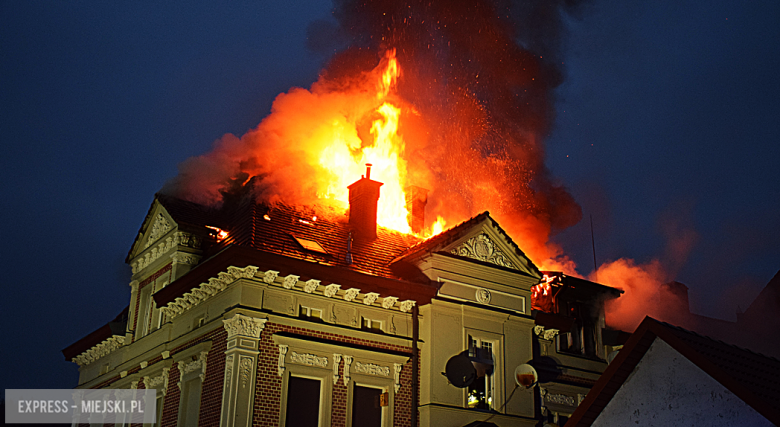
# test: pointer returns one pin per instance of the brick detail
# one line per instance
(268, 394)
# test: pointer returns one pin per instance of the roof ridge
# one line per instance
(680, 328)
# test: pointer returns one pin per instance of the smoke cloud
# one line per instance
(476, 97)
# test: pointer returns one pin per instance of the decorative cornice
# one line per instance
(482, 248)
(370, 297)
(240, 325)
(351, 294)
(179, 238)
(406, 306)
(308, 359)
(371, 369)
(208, 289)
(331, 290)
(389, 302)
(99, 350)
(270, 276)
(290, 281)
(311, 286)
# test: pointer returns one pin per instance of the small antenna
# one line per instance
(593, 244)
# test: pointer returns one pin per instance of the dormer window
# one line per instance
(310, 245)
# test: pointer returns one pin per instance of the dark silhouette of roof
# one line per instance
(752, 377)
(114, 327)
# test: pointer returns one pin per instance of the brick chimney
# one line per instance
(416, 199)
(363, 198)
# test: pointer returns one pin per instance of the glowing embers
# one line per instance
(218, 233)
(310, 245)
(543, 294)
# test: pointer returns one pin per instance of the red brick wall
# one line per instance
(211, 394)
(269, 383)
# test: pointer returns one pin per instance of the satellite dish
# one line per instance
(460, 371)
(526, 376)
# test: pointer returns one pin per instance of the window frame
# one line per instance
(497, 376)
(368, 381)
(324, 375)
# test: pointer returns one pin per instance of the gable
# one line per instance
(486, 244)
(489, 244)
(666, 388)
(158, 224)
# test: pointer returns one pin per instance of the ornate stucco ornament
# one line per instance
(208, 289)
(99, 350)
(482, 248)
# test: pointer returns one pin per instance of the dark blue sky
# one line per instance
(668, 123)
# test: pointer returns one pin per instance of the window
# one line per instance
(481, 393)
(310, 313)
(581, 340)
(366, 406)
(190, 402)
(371, 325)
(305, 392)
(310, 245)
(159, 408)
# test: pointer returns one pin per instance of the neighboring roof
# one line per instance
(767, 301)
(583, 289)
(446, 237)
(752, 377)
(114, 327)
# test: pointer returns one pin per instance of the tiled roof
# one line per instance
(271, 228)
(752, 377)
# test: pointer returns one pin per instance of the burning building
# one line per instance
(271, 314)
(271, 287)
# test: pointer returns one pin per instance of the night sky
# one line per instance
(668, 125)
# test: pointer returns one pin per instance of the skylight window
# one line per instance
(310, 245)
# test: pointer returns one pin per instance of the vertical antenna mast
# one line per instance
(593, 244)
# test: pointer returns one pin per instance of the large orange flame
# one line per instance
(346, 155)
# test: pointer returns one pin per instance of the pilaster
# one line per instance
(240, 369)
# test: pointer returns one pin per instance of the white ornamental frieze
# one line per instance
(372, 369)
(308, 359)
(481, 248)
